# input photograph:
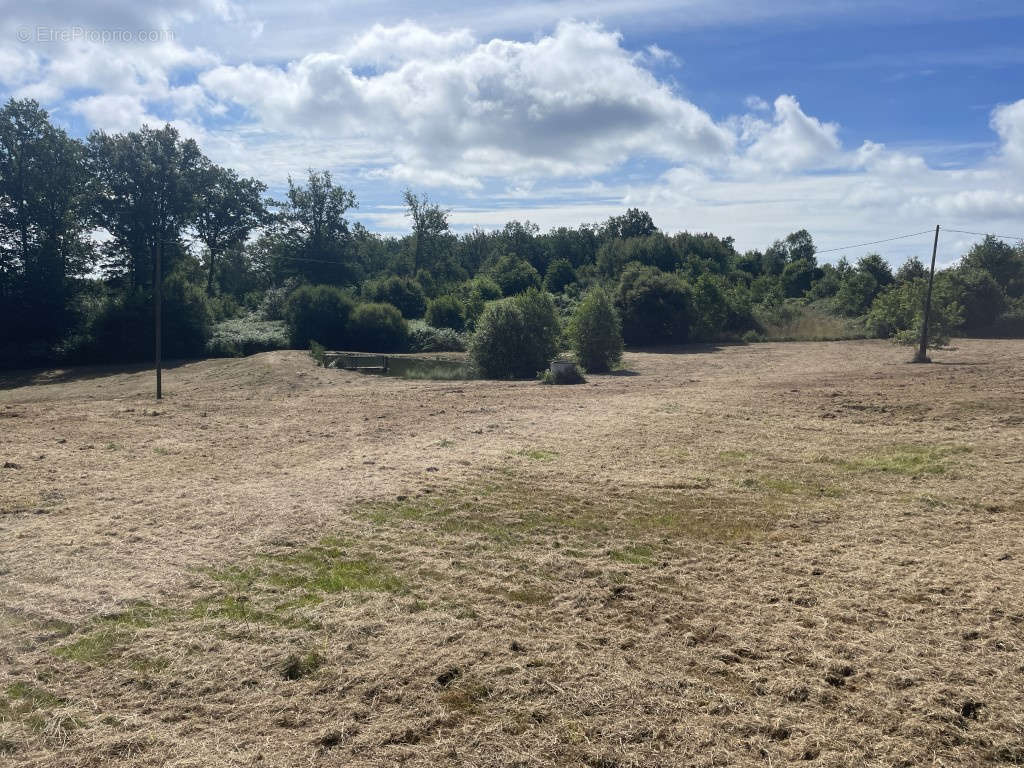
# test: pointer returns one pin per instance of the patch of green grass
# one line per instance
(97, 647)
(445, 443)
(503, 512)
(109, 638)
(32, 696)
(786, 486)
(636, 554)
(404, 510)
(326, 568)
(910, 460)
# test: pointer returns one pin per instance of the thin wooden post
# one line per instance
(922, 352)
(157, 317)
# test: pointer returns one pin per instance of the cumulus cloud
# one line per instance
(793, 141)
(573, 102)
(388, 47)
(114, 112)
(1008, 122)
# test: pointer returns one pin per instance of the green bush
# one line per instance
(515, 275)
(710, 307)
(474, 295)
(241, 336)
(123, 328)
(424, 338)
(318, 313)
(446, 312)
(560, 274)
(655, 306)
(517, 337)
(402, 292)
(898, 312)
(856, 293)
(274, 303)
(486, 288)
(223, 307)
(378, 328)
(982, 299)
(595, 332)
(1010, 324)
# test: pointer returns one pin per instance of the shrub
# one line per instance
(710, 308)
(560, 274)
(856, 292)
(446, 312)
(378, 328)
(247, 335)
(124, 327)
(223, 307)
(486, 288)
(655, 307)
(1010, 324)
(898, 313)
(403, 292)
(474, 295)
(595, 332)
(514, 275)
(424, 338)
(517, 337)
(981, 297)
(318, 313)
(274, 303)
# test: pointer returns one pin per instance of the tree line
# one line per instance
(83, 224)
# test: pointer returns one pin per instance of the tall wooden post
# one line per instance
(158, 279)
(922, 352)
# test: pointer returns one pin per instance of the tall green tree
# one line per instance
(312, 240)
(43, 243)
(229, 209)
(429, 227)
(147, 194)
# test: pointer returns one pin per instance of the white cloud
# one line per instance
(114, 113)
(573, 102)
(756, 104)
(388, 47)
(1008, 122)
(793, 141)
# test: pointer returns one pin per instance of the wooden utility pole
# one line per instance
(157, 315)
(922, 352)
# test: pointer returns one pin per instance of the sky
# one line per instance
(858, 121)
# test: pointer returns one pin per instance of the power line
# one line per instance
(986, 234)
(876, 242)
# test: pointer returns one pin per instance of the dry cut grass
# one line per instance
(801, 553)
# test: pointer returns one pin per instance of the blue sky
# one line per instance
(855, 120)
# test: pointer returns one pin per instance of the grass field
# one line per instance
(750, 555)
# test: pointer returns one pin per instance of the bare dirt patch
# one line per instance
(737, 556)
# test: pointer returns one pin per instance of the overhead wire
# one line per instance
(876, 242)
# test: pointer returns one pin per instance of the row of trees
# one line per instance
(83, 224)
